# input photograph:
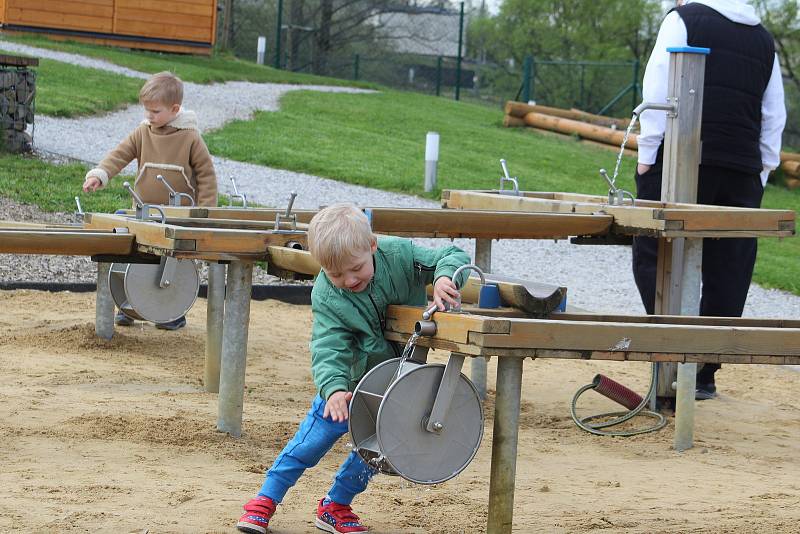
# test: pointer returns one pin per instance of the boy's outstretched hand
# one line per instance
(337, 406)
(444, 290)
(91, 184)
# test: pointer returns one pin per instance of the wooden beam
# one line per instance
(64, 243)
(242, 244)
(735, 342)
(293, 260)
(486, 224)
(668, 220)
(413, 222)
(677, 319)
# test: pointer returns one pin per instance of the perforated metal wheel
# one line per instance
(413, 452)
(136, 291)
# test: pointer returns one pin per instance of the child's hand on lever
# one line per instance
(445, 291)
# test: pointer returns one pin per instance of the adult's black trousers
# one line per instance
(727, 267)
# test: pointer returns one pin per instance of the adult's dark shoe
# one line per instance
(705, 392)
(120, 319)
(180, 322)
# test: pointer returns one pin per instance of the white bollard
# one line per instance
(261, 49)
(431, 160)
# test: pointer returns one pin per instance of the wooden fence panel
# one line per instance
(86, 15)
(193, 21)
(130, 18)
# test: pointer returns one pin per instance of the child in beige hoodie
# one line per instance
(168, 136)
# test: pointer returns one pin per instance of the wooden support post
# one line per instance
(483, 259)
(104, 304)
(234, 348)
(680, 262)
(504, 446)
(215, 309)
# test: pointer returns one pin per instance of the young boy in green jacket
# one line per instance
(361, 275)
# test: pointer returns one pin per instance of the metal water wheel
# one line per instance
(390, 427)
(157, 293)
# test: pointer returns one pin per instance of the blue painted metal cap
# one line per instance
(689, 49)
(489, 296)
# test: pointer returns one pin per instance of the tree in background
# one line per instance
(575, 30)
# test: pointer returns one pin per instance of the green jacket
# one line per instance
(347, 335)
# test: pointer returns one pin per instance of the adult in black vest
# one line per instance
(743, 119)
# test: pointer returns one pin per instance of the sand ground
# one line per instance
(120, 436)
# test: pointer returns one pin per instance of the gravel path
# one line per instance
(598, 277)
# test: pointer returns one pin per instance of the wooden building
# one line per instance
(187, 26)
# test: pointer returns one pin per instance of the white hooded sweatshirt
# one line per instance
(654, 87)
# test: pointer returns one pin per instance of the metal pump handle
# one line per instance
(175, 197)
(507, 178)
(237, 194)
(136, 197)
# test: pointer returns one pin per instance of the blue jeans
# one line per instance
(313, 439)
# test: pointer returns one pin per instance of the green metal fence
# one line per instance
(596, 86)
(418, 48)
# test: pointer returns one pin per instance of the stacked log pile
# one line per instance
(606, 132)
(17, 94)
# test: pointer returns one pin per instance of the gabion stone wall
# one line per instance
(17, 102)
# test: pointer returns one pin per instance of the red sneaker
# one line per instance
(257, 513)
(334, 517)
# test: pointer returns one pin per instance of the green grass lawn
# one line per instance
(65, 90)
(197, 69)
(54, 187)
(378, 140)
(778, 264)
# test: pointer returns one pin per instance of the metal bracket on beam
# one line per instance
(444, 396)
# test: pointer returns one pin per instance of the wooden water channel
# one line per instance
(238, 237)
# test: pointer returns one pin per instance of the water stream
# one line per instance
(622, 149)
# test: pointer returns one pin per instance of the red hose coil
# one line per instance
(616, 392)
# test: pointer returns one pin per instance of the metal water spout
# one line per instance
(473, 268)
(672, 108)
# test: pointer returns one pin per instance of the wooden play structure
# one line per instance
(186, 26)
(526, 326)
(530, 322)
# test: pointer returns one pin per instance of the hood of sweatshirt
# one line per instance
(737, 11)
(184, 120)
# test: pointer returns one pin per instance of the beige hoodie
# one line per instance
(177, 144)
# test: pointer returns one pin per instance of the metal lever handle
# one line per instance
(80, 209)
(136, 197)
(505, 169)
(507, 178)
(427, 314)
(604, 174)
(165, 183)
(292, 196)
(237, 194)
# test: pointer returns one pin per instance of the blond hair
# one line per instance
(162, 88)
(337, 234)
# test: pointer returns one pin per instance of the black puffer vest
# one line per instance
(738, 70)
